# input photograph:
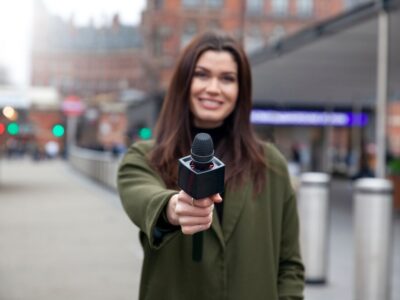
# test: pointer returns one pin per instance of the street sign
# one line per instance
(72, 106)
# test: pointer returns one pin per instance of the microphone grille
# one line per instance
(202, 148)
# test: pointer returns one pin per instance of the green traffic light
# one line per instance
(13, 128)
(58, 130)
(145, 133)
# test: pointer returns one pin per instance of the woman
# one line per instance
(251, 248)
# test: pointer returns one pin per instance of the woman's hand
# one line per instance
(192, 215)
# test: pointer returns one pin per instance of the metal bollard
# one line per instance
(373, 238)
(313, 204)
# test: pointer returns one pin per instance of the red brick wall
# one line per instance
(92, 70)
(232, 18)
(43, 122)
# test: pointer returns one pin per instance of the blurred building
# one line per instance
(317, 90)
(30, 119)
(47, 121)
(84, 60)
(167, 26)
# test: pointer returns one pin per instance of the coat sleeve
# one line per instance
(143, 193)
(291, 269)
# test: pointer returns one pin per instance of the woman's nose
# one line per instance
(213, 85)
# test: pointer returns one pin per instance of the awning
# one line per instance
(332, 64)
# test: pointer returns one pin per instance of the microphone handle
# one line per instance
(197, 247)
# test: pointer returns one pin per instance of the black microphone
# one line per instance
(201, 175)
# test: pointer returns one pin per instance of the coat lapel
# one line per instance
(216, 226)
(233, 207)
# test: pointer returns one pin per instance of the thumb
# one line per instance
(216, 198)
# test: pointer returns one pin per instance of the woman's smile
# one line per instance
(211, 104)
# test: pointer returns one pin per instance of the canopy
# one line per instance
(332, 64)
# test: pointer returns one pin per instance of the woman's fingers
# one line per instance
(205, 202)
(194, 215)
(184, 209)
(189, 230)
(216, 198)
(191, 221)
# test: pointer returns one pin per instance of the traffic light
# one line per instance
(13, 128)
(58, 130)
(2, 128)
(145, 133)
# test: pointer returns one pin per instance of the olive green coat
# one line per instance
(254, 255)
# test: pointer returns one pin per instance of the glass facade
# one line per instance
(254, 6)
(305, 7)
(280, 7)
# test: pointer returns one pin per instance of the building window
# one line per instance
(305, 8)
(188, 33)
(215, 3)
(280, 7)
(254, 6)
(191, 3)
(158, 4)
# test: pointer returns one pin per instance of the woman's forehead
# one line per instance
(217, 59)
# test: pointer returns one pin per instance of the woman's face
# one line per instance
(214, 89)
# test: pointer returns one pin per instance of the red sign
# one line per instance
(72, 106)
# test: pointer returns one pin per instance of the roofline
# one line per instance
(323, 29)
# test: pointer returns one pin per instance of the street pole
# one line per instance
(382, 90)
(242, 22)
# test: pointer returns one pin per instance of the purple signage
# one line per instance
(308, 118)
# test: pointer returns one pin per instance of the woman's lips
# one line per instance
(210, 103)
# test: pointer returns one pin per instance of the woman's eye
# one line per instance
(229, 78)
(200, 74)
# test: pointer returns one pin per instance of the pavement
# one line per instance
(63, 236)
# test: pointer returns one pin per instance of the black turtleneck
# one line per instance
(217, 134)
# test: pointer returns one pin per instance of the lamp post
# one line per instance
(382, 88)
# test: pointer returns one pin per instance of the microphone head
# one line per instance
(202, 148)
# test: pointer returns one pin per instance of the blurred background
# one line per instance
(81, 81)
(109, 67)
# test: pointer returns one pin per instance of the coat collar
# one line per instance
(233, 207)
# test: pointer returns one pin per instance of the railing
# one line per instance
(100, 166)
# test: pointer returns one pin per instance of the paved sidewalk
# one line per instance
(65, 237)
(62, 237)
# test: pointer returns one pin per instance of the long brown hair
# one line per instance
(240, 150)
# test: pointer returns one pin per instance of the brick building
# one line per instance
(84, 60)
(167, 25)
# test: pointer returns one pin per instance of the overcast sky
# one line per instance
(16, 18)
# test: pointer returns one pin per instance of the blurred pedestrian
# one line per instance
(251, 244)
(52, 149)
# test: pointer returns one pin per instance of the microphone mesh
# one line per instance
(202, 147)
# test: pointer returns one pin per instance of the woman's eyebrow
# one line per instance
(233, 72)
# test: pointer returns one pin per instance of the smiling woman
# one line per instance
(250, 231)
(16, 26)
